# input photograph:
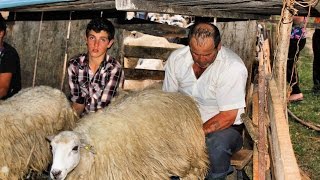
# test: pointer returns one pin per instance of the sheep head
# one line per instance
(65, 148)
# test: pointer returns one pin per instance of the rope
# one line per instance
(66, 53)
(307, 3)
(288, 4)
(37, 53)
(296, 60)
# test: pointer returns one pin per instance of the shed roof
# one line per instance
(238, 9)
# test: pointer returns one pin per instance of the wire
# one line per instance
(37, 53)
(66, 53)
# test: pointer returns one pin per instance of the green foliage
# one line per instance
(306, 142)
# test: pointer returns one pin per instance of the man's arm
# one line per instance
(5, 79)
(75, 91)
(220, 121)
(170, 82)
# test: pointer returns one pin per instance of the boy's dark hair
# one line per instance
(3, 25)
(101, 24)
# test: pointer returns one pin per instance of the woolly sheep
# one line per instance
(25, 120)
(145, 135)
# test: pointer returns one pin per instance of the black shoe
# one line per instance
(316, 89)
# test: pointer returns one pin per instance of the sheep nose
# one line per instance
(56, 173)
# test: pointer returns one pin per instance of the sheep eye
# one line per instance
(50, 147)
(75, 148)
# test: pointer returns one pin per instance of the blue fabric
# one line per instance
(298, 33)
(19, 3)
(221, 145)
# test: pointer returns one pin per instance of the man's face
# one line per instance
(204, 52)
(98, 43)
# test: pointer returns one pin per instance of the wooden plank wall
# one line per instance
(240, 36)
(24, 35)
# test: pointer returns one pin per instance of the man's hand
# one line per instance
(78, 108)
(220, 121)
(5, 80)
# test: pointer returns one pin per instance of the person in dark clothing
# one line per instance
(316, 60)
(297, 37)
(10, 75)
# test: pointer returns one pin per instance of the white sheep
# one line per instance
(146, 135)
(25, 120)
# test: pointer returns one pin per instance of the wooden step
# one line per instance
(241, 158)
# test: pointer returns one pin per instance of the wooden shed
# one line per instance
(46, 35)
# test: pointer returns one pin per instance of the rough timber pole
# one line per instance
(281, 51)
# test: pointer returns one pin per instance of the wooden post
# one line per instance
(281, 50)
(261, 119)
(283, 159)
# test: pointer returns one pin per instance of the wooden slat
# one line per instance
(262, 138)
(143, 74)
(156, 6)
(284, 161)
(255, 112)
(147, 52)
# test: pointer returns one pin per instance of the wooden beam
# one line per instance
(155, 29)
(143, 74)
(284, 161)
(155, 6)
(309, 24)
(147, 52)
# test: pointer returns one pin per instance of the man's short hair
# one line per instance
(214, 33)
(101, 24)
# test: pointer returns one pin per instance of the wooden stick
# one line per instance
(251, 128)
(308, 124)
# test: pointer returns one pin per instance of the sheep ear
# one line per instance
(49, 138)
(87, 146)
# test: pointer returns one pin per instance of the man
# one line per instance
(10, 75)
(297, 43)
(216, 78)
(316, 57)
(94, 77)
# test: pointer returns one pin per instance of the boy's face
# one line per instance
(98, 43)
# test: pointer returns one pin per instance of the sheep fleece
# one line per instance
(25, 120)
(145, 135)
